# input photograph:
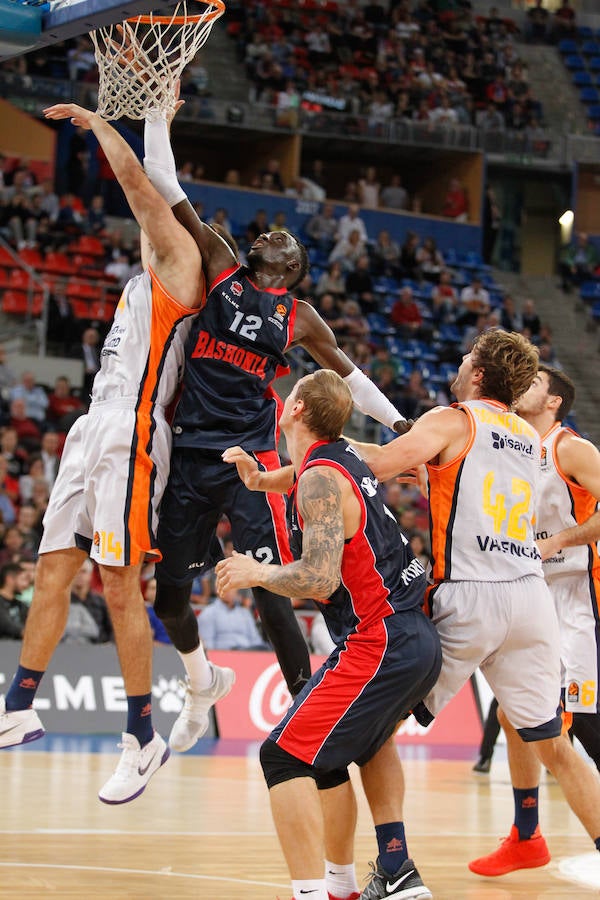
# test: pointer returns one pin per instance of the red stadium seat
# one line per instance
(19, 279)
(59, 264)
(16, 302)
(31, 257)
(88, 245)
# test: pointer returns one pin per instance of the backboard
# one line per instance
(28, 26)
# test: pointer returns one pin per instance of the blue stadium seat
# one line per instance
(567, 45)
(590, 290)
(574, 62)
(588, 95)
(379, 324)
(594, 64)
(596, 311)
(582, 79)
(594, 111)
(590, 48)
(585, 32)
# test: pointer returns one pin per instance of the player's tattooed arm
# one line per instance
(317, 574)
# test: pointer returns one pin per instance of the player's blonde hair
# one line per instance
(327, 403)
(509, 362)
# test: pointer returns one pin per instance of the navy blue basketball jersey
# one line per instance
(235, 350)
(380, 573)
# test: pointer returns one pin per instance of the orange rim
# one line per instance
(184, 20)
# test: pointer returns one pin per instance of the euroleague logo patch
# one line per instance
(279, 315)
(236, 288)
(573, 692)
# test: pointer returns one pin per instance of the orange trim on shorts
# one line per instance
(567, 721)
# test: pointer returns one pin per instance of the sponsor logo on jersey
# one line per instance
(413, 570)
(236, 288)
(500, 442)
(279, 316)
(369, 486)
(96, 539)
(544, 457)
(208, 347)
(488, 544)
(573, 692)
(508, 421)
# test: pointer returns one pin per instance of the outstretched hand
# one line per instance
(246, 465)
(79, 116)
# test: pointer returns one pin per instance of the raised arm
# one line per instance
(440, 432)
(159, 164)
(315, 336)
(171, 243)
(317, 573)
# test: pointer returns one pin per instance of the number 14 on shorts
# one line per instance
(107, 546)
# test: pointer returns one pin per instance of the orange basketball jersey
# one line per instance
(482, 503)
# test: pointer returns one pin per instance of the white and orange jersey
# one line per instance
(563, 503)
(482, 503)
(142, 358)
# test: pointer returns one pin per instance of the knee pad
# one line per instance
(278, 765)
(171, 600)
(173, 608)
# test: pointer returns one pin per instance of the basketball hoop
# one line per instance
(141, 60)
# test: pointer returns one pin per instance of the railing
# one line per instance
(536, 147)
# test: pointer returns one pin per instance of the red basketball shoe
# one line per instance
(512, 854)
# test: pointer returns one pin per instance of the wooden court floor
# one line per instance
(203, 829)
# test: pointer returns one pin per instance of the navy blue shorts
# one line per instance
(355, 701)
(201, 487)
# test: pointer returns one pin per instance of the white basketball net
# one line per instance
(141, 60)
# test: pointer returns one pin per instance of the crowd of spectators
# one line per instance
(405, 61)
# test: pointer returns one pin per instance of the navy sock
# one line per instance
(22, 690)
(597, 843)
(391, 843)
(526, 811)
(139, 718)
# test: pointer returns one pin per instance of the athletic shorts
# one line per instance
(111, 479)
(355, 701)
(510, 630)
(201, 488)
(576, 599)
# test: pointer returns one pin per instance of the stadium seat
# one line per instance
(6, 258)
(594, 111)
(567, 46)
(88, 245)
(16, 302)
(590, 48)
(594, 64)
(588, 95)
(585, 32)
(83, 290)
(590, 290)
(574, 62)
(31, 257)
(59, 264)
(19, 280)
(582, 79)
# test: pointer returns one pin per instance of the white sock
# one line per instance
(341, 880)
(314, 889)
(197, 668)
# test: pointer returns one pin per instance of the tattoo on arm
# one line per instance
(317, 573)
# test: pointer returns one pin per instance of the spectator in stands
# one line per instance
(28, 432)
(351, 221)
(348, 250)
(394, 195)
(29, 525)
(7, 376)
(455, 202)
(49, 201)
(49, 452)
(305, 189)
(330, 311)
(369, 188)
(40, 495)
(258, 225)
(475, 301)
(226, 624)
(9, 488)
(413, 400)
(490, 119)
(492, 217)
(382, 358)
(12, 547)
(537, 22)
(16, 458)
(62, 324)
(510, 319)
(71, 216)
(63, 406)
(221, 218)
(355, 326)
(88, 351)
(95, 220)
(332, 281)
(287, 106)
(564, 24)
(409, 263)
(578, 261)
(35, 397)
(94, 603)
(359, 285)
(530, 319)
(273, 169)
(279, 222)
(322, 227)
(34, 469)
(13, 612)
(430, 259)
(406, 315)
(444, 300)
(385, 255)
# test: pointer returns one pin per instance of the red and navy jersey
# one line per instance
(234, 352)
(380, 574)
